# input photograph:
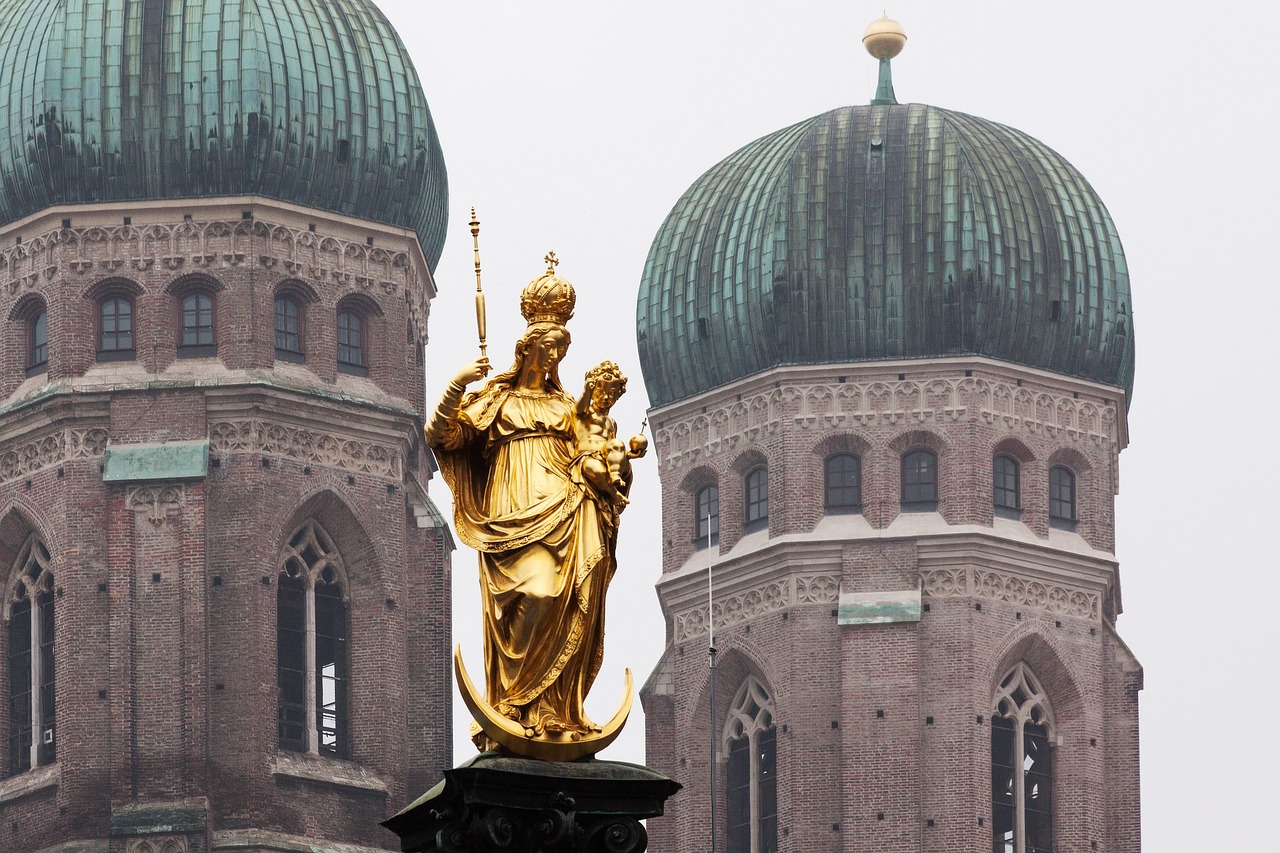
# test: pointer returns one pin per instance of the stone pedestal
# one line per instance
(499, 803)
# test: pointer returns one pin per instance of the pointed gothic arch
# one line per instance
(1022, 738)
(312, 659)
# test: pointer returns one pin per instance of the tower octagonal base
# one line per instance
(499, 802)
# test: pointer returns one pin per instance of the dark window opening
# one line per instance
(115, 329)
(1062, 498)
(196, 334)
(288, 330)
(757, 498)
(751, 784)
(29, 638)
(291, 666)
(738, 788)
(1021, 767)
(1005, 486)
(708, 517)
(331, 668)
(842, 483)
(919, 481)
(311, 631)
(352, 355)
(38, 343)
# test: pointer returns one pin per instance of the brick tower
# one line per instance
(225, 593)
(889, 351)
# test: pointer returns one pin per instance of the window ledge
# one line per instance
(30, 782)
(352, 369)
(328, 771)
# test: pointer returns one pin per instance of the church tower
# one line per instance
(890, 355)
(224, 613)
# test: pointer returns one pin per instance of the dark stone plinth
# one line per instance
(499, 802)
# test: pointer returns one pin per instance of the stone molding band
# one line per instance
(50, 449)
(854, 405)
(214, 245)
(775, 595)
(304, 445)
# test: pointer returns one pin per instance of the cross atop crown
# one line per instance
(552, 262)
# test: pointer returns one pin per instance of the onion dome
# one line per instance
(313, 102)
(884, 231)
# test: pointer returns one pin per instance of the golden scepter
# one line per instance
(480, 322)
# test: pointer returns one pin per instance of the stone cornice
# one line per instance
(277, 237)
(821, 398)
(959, 561)
(258, 417)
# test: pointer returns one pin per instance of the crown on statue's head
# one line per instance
(548, 298)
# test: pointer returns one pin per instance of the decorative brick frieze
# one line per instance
(305, 445)
(27, 455)
(212, 245)
(855, 405)
(768, 597)
(1056, 598)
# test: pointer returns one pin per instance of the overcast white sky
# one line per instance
(576, 126)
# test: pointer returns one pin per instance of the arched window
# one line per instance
(707, 522)
(751, 781)
(1006, 486)
(352, 346)
(919, 481)
(289, 329)
(195, 334)
(842, 483)
(38, 342)
(115, 328)
(1021, 769)
(1062, 498)
(311, 645)
(32, 741)
(756, 487)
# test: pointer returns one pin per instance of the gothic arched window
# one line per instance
(1021, 766)
(751, 781)
(842, 483)
(1062, 498)
(756, 487)
(707, 523)
(919, 481)
(1005, 486)
(311, 645)
(29, 649)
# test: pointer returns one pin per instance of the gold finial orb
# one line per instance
(884, 38)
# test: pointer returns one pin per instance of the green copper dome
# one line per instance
(313, 102)
(882, 232)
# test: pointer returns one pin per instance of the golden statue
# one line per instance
(538, 482)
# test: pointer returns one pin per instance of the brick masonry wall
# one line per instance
(166, 592)
(884, 729)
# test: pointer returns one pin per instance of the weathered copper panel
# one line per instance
(310, 101)
(887, 231)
